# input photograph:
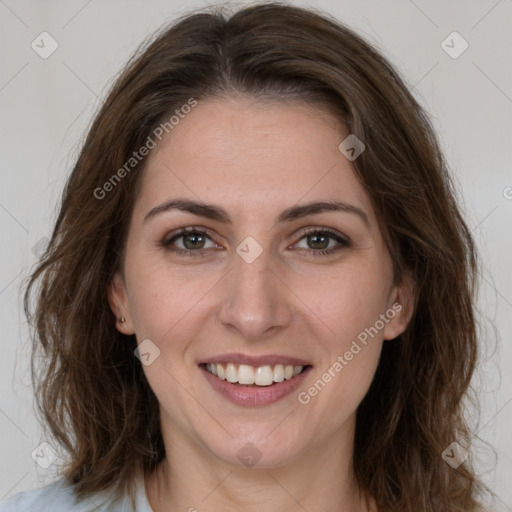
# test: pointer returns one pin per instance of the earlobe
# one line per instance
(400, 309)
(118, 302)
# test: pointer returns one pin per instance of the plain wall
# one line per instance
(46, 106)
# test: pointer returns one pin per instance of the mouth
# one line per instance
(254, 384)
(247, 375)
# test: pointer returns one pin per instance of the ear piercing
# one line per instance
(122, 320)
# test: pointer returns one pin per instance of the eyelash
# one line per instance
(343, 242)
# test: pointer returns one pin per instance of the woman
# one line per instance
(258, 293)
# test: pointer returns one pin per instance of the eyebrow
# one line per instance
(217, 213)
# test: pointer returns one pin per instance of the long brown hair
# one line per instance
(91, 390)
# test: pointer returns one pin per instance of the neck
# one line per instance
(192, 479)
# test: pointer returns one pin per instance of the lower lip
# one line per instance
(252, 396)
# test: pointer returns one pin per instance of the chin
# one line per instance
(256, 451)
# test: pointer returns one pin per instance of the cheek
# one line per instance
(351, 381)
(349, 304)
(347, 300)
(351, 355)
(162, 298)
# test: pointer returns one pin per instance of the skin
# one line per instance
(256, 159)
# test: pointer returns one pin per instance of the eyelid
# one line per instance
(185, 231)
(322, 229)
(342, 242)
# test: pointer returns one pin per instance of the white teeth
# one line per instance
(261, 375)
(231, 373)
(264, 376)
(245, 374)
(278, 373)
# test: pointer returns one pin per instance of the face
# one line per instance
(258, 283)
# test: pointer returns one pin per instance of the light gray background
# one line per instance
(47, 104)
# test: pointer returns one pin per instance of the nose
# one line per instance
(256, 299)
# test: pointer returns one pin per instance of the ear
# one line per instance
(400, 308)
(119, 304)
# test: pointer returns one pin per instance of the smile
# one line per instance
(250, 375)
(252, 386)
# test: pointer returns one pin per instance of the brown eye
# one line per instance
(319, 241)
(193, 241)
(187, 241)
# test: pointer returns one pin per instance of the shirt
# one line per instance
(59, 497)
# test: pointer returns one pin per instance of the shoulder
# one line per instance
(57, 497)
(58, 494)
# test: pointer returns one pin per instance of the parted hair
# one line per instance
(91, 391)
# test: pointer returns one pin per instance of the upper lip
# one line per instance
(262, 360)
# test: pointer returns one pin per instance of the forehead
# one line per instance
(252, 156)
